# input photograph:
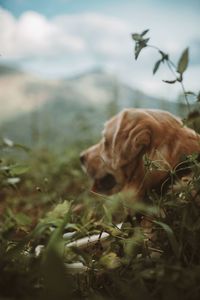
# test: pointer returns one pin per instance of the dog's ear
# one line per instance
(131, 143)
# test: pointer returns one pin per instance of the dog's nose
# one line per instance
(82, 158)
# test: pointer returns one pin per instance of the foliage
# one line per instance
(177, 70)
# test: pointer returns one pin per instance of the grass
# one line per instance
(44, 193)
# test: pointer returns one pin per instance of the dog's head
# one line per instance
(115, 160)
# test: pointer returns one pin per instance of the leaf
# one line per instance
(57, 284)
(110, 261)
(156, 66)
(18, 169)
(144, 32)
(132, 244)
(22, 219)
(170, 81)
(142, 208)
(108, 214)
(9, 143)
(171, 237)
(56, 243)
(190, 93)
(139, 46)
(57, 215)
(183, 61)
(137, 37)
(140, 42)
(22, 147)
(145, 41)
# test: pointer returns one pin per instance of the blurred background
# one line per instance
(68, 65)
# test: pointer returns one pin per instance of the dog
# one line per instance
(132, 139)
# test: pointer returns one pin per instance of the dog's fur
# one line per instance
(116, 163)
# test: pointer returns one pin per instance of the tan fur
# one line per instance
(129, 135)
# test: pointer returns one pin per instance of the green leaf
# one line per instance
(22, 147)
(59, 213)
(22, 219)
(170, 81)
(56, 241)
(132, 244)
(139, 46)
(9, 143)
(110, 261)
(156, 66)
(18, 169)
(183, 61)
(144, 32)
(142, 208)
(57, 284)
(108, 213)
(190, 93)
(60, 210)
(171, 237)
(145, 41)
(137, 37)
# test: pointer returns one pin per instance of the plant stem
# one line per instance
(185, 95)
(172, 68)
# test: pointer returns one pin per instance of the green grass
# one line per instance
(43, 189)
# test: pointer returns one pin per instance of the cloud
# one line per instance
(32, 35)
(66, 44)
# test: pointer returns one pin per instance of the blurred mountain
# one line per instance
(20, 92)
(37, 111)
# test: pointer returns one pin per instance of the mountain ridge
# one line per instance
(46, 112)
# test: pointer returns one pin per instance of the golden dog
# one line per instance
(117, 162)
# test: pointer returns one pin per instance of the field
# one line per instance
(44, 194)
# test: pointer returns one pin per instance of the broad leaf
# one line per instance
(16, 170)
(183, 61)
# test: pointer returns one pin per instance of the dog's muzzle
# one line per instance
(104, 184)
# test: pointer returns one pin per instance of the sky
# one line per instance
(62, 38)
